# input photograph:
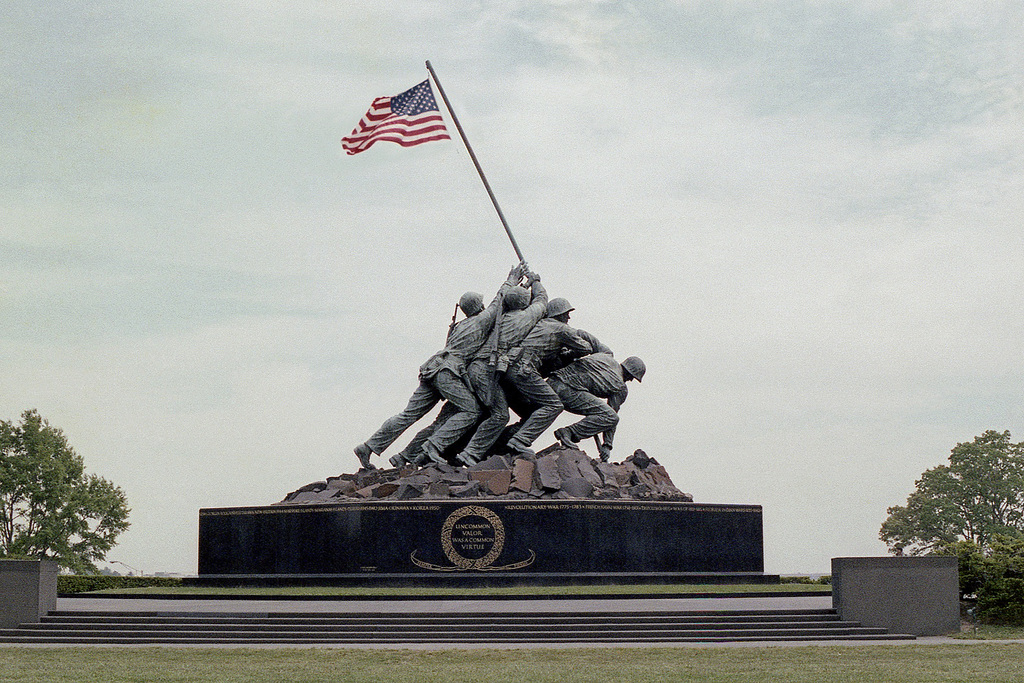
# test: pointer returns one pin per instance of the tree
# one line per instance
(978, 495)
(49, 507)
(994, 578)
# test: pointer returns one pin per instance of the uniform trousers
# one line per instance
(485, 384)
(599, 416)
(445, 384)
(526, 381)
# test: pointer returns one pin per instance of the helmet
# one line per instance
(471, 303)
(558, 306)
(635, 367)
(517, 299)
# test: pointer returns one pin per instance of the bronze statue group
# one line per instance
(518, 353)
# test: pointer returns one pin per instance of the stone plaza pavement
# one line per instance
(537, 606)
(460, 605)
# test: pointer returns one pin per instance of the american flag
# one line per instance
(410, 118)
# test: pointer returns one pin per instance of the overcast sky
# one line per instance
(806, 217)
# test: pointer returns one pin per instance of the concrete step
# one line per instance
(69, 627)
(494, 630)
(377, 616)
(411, 620)
(278, 625)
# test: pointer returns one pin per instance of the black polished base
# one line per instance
(449, 543)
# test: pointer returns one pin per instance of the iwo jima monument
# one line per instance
(468, 500)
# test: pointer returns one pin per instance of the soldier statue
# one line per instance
(581, 386)
(521, 311)
(550, 340)
(444, 375)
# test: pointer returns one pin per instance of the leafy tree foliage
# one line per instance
(1001, 596)
(972, 565)
(49, 507)
(995, 576)
(978, 495)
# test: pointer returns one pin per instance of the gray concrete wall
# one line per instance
(916, 595)
(28, 590)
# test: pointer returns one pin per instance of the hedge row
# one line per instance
(825, 580)
(98, 582)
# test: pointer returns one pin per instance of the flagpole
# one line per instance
(476, 163)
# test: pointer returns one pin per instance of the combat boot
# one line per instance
(363, 452)
(564, 436)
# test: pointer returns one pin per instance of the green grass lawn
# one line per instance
(985, 632)
(860, 664)
(483, 592)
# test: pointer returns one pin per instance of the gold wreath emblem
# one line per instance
(465, 563)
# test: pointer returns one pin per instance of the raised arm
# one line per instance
(539, 298)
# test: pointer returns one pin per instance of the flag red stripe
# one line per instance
(401, 140)
(400, 131)
(412, 128)
(404, 140)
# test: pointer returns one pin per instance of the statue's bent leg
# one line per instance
(496, 407)
(534, 390)
(422, 400)
(467, 414)
(412, 449)
(598, 415)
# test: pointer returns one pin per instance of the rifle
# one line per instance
(451, 327)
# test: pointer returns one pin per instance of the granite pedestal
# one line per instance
(448, 542)
(28, 590)
(916, 595)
